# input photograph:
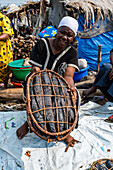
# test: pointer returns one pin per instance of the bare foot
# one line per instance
(70, 141)
(22, 131)
(89, 91)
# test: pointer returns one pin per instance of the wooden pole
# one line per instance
(27, 17)
(11, 94)
(99, 56)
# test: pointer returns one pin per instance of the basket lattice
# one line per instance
(51, 105)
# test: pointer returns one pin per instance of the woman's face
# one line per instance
(64, 36)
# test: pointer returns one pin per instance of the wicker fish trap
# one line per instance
(102, 164)
(51, 106)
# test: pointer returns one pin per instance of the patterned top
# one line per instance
(39, 57)
(6, 55)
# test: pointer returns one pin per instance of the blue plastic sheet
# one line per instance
(88, 48)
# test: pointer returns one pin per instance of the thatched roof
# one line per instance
(98, 14)
(102, 9)
(40, 13)
(25, 7)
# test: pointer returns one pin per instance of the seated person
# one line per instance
(6, 53)
(103, 81)
(51, 53)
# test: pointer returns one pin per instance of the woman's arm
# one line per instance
(69, 73)
(4, 37)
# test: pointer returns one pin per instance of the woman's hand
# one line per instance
(4, 37)
(35, 69)
(111, 74)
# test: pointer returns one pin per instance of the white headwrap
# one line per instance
(69, 22)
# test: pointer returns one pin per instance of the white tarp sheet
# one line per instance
(95, 134)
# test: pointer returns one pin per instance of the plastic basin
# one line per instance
(79, 75)
(18, 70)
(17, 85)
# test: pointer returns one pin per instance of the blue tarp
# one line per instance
(88, 48)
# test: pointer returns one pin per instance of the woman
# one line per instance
(103, 81)
(6, 56)
(51, 53)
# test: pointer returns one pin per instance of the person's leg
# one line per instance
(102, 79)
(104, 90)
(22, 131)
(89, 91)
(6, 83)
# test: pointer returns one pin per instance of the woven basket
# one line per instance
(52, 121)
(102, 164)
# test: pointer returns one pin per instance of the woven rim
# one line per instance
(30, 115)
(99, 161)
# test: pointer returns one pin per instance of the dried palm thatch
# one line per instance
(22, 15)
(93, 12)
